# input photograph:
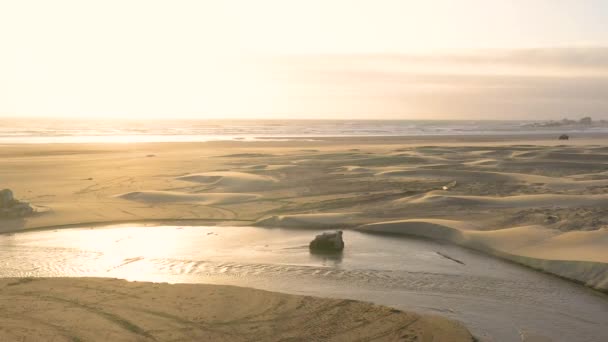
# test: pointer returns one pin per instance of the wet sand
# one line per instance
(97, 309)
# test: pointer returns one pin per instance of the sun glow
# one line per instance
(252, 59)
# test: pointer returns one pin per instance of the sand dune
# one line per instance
(311, 221)
(532, 241)
(268, 167)
(482, 162)
(503, 153)
(159, 197)
(247, 155)
(579, 157)
(94, 309)
(582, 246)
(437, 229)
(231, 180)
(362, 159)
(448, 175)
(521, 201)
(578, 256)
(550, 183)
(354, 168)
(510, 239)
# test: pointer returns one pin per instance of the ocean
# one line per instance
(125, 131)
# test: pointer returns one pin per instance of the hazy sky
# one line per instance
(459, 59)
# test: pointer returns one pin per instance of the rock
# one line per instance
(328, 242)
(564, 137)
(6, 198)
(22, 209)
(10, 207)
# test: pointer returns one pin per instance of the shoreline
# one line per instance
(549, 138)
(538, 265)
(143, 223)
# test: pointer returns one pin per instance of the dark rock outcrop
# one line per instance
(6, 198)
(10, 207)
(327, 242)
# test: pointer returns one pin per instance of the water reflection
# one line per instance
(327, 258)
(485, 293)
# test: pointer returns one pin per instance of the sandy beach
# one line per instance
(533, 200)
(529, 199)
(94, 309)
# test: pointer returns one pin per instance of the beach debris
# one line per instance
(564, 137)
(10, 207)
(449, 186)
(327, 242)
(450, 258)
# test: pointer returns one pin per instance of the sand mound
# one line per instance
(362, 159)
(267, 167)
(247, 155)
(493, 153)
(590, 176)
(521, 201)
(231, 180)
(312, 221)
(465, 176)
(559, 183)
(159, 197)
(583, 157)
(575, 245)
(354, 168)
(579, 256)
(556, 168)
(448, 175)
(430, 228)
(527, 154)
(510, 239)
(482, 162)
(97, 309)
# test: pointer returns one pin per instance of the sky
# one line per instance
(376, 59)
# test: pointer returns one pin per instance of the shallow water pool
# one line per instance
(497, 300)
